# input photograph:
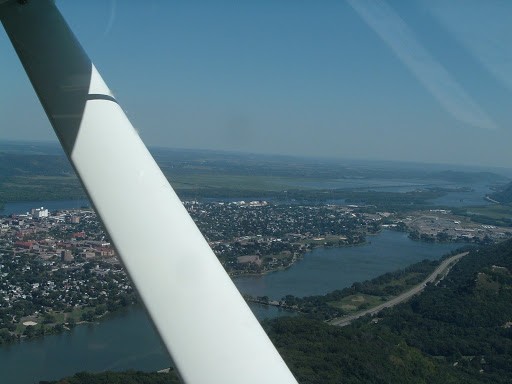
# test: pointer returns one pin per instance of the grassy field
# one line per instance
(27, 188)
(405, 281)
(494, 214)
(361, 301)
(241, 182)
(495, 211)
(357, 302)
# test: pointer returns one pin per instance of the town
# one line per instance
(59, 268)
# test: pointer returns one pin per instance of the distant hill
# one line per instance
(33, 158)
(467, 177)
(504, 196)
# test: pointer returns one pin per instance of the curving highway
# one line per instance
(442, 270)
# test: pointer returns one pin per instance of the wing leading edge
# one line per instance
(208, 329)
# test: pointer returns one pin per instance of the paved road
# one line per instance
(442, 269)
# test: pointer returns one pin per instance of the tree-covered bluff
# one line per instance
(504, 196)
(457, 331)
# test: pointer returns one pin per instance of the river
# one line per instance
(325, 269)
(128, 341)
(474, 197)
(52, 205)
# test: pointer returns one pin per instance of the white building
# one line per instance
(37, 213)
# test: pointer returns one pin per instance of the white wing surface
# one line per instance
(208, 329)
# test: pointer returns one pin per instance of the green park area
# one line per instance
(493, 214)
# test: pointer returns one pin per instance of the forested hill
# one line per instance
(457, 332)
(504, 196)
(127, 377)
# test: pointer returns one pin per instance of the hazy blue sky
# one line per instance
(400, 80)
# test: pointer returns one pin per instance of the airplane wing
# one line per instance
(208, 329)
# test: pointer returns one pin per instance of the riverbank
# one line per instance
(324, 270)
(307, 245)
(341, 307)
(39, 325)
(49, 323)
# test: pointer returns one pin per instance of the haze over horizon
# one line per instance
(423, 81)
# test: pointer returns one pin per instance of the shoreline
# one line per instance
(58, 328)
(20, 337)
(300, 256)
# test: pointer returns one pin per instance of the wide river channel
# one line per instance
(127, 340)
